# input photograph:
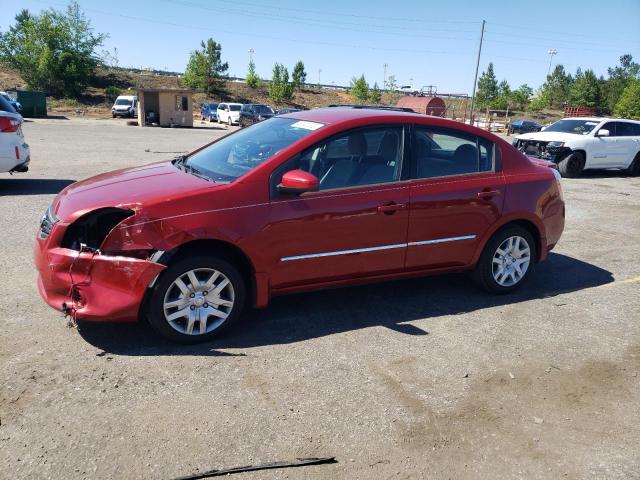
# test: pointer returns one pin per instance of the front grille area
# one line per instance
(46, 223)
(532, 148)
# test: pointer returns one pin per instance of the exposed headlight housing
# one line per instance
(555, 144)
(92, 228)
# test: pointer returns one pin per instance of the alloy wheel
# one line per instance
(511, 261)
(198, 301)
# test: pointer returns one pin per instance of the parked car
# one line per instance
(253, 113)
(125, 106)
(524, 126)
(316, 199)
(284, 111)
(229, 113)
(12, 101)
(209, 111)
(577, 144)
(14, 151)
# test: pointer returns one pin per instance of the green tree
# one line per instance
(487, 91)
(555, 91)
(280, 89)
(253, 80)
(628, 105)
(619, 78)
(375, 95)
(503, 98)
(585, 91)
(359, 89)
(299, 75)
(520, 98)
(54, 51)
(205, 67)
(536, 104)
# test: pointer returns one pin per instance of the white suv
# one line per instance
(229, 113)
(14, 152)
(576, 144)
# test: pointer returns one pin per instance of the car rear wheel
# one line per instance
(507, 260)
(634, 168)
(571, 166)
(197, 298)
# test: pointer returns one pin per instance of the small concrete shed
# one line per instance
(426, 105)
(165, 107)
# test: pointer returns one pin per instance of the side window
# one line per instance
(361, 157)
(624, 129)
(439, 153)
(611, 126)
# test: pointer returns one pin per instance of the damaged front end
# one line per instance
(551, 151)
(85, 282)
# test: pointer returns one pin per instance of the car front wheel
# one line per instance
(196, 298)
(571, 166)
(507, 260)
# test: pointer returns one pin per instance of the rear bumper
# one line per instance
(10, 161)
(96, 287)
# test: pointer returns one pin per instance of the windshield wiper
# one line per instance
(181, 163)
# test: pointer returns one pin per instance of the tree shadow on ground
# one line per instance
(301, 317)
(31, 186)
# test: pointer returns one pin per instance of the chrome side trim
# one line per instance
(374, 249)
(343, 252)
(441, 240)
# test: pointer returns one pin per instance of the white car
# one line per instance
(229, 113)
(125, 106)
(576, 144)
(14, 152)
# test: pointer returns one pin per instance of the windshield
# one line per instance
(578, 127)
(262, 109)
(235, 108)
(239, 153)
(123, 101)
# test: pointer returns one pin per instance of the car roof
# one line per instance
(334, 115)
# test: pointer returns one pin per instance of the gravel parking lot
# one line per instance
(425, 378)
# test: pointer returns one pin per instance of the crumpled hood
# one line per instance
(132, 188)
(548, 136)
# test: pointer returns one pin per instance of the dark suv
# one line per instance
(254, 112)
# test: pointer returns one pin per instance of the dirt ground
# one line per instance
(425, 378)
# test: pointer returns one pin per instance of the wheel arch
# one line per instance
(221, 247)
(530, 225)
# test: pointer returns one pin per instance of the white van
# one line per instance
(229, 113)
(125, 106)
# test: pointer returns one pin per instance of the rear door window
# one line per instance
(444, 153)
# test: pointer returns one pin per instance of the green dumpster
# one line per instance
(34, 104)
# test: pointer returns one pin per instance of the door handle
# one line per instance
(391, 208)
(487, 194)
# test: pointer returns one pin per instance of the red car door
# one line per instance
(354, 225)
(456, 196)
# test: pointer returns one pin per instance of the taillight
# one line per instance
(8, 125)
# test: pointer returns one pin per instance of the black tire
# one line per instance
(155, 307)
(571, 166)
(483, 274)
(634, 168)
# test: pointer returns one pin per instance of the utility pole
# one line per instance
(551, 52)
(319, 72)
(475, 79)
(251, 52)
(384, 80)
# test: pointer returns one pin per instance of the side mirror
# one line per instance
(298, 181)
(602, 133)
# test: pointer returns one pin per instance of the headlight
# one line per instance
(555, 144)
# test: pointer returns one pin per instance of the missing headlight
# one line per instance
(92, 228)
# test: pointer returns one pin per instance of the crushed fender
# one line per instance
(298, 462)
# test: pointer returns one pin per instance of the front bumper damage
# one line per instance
(86, 283)
(551, 151)
(93, 286)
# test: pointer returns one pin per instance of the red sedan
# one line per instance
(309, 200)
